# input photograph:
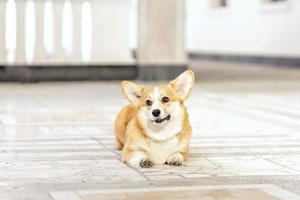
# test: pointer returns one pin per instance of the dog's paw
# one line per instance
(146, 163)
(176, 163)
(175, 160)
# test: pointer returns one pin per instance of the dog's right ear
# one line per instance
(132, 91)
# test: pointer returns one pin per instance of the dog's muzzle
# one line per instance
(162, 119)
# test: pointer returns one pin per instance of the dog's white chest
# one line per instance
(160, 151)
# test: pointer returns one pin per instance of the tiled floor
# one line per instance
(57, 138)
(228, 192)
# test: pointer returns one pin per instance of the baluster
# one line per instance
(20, 48)
(110, 37)
(58, 54)
(2, 32)
(40, 52)
(86, 31)
(30, 31)
(75, 56)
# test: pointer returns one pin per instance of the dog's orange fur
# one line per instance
(131, 129)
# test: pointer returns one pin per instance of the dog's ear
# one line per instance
(183, 84)
(132, 91)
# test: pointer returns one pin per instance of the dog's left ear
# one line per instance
(183, 84)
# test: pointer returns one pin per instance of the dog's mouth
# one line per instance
(158, 121)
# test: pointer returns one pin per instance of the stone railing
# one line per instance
(64, 32)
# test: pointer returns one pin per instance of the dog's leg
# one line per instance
(175, 159)
(137, 159)
(181, 152)
(118, 145)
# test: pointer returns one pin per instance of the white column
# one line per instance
(161, 32)
(161, 50)
(75, 57)
(110, 33)
(58, 54)
(20, 48)
(2, 32)
(40, 52)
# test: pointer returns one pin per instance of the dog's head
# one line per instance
(159, 105)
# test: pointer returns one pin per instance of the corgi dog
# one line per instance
(154, 129)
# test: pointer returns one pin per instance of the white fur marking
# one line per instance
(175, 157)
(136, 159)
(156, 104)
(160, 151)
(156, 99)
(156, 93)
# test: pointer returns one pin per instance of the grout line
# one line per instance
(282, 165)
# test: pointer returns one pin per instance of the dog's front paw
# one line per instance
(146, 163)
(175, 160)
(176, 163)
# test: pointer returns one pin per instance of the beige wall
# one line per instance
(248, 27)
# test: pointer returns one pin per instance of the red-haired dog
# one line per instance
(154, 128)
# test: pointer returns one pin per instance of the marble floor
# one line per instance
(56, 142)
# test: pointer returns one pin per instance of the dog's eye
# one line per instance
(148, 103)
(165, 99)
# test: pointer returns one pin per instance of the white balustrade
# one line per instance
(107, 41)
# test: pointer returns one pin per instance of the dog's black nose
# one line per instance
(156, 113)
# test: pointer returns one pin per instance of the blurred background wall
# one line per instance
(251, 27)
